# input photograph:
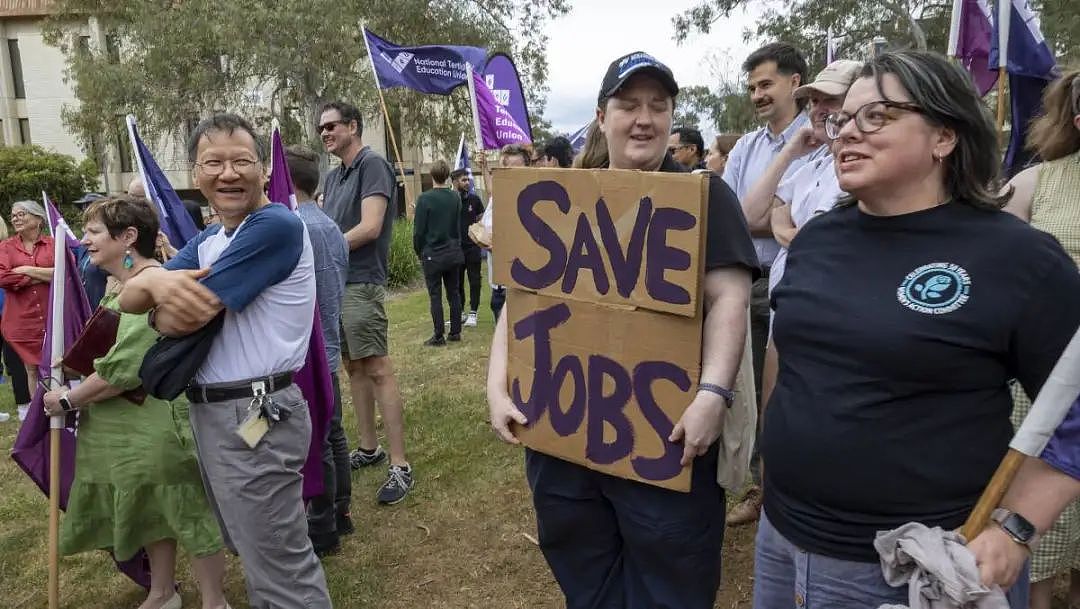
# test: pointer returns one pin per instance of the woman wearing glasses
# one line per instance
(26, 261)
(902, 316)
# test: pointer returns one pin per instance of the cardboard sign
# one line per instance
(605, 236)
(604, 278)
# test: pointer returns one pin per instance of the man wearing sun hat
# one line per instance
(788, 203)
(618, 543)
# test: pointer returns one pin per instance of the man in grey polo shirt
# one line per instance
(773, 73)
(361, 196)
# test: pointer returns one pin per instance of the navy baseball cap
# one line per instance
(626, 66)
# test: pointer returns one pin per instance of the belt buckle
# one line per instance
(258, 388)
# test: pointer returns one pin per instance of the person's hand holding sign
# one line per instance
(501, 408)
(700, 425)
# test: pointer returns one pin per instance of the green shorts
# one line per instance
(363, 321)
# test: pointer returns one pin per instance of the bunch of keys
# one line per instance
(262, 413)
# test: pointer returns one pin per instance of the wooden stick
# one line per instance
(1002, 79)
(409, 201)
(991, 496)
(54, 514)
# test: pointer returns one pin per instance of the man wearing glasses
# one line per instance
(360, 196)
(251, 425)
(686, 147)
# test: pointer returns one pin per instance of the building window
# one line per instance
(24, 131)
(84, 45)
(16, 68)
(123, 146)
(112, 48)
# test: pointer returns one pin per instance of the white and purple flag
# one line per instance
(495, 124)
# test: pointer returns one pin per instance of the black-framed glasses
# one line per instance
(216, 167)
(869, 118)
(672, 149)
(329, 126)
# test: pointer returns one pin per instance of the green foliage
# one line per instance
(180, 61)
(727, 108)
(26, 171)
(404, 266)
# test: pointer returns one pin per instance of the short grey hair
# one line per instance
(31, 207)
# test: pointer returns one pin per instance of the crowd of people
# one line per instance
(898, 320)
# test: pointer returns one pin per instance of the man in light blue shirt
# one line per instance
(328, 516)
(773, 73)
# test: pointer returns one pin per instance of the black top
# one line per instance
(727, 236)
(897, 337)
(472, 210)
(343, 190)
(436, 219)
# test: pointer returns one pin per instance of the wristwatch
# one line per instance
(1016, 527)
(65, 403)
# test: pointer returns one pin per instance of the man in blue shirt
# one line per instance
(328, 516)
(250, 421)
(773, 73)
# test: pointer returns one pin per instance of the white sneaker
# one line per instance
(464, 317)
(4, 417)
(24, 409)
(470, 321)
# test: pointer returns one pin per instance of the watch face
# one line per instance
(1019, 527)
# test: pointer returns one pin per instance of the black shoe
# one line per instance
(345, 525)
(359, 458)
(399, 481)
(454, 338)
(326, 544)
(436, 341)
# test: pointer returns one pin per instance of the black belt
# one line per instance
(238, 390)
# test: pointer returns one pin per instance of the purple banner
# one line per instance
(974, 42)
(435, 69)
(314, 378)
(496, 125)
(502, 78)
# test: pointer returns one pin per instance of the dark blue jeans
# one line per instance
(617, 544)
(337, 482)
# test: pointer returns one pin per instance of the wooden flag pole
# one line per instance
(1003, 76)
(992, 494)
(56, 336)
(409, 201)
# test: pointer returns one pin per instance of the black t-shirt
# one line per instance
(472, 210)
(727, 237)
(897, 337)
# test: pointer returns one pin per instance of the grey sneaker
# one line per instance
(399, 481)
(359, 458)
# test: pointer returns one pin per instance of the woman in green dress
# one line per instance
(137, 483)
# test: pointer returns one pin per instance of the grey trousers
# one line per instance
(256, 495)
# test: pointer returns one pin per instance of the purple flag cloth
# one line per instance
(1031, 65)
(176, 223)
(501, 76)
(579, 137)
(31, 449)
(497, 126)
(1063, 450)
(314, 378)
(974, 42)
(435, 69)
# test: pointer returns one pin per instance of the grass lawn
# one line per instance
(463, 538)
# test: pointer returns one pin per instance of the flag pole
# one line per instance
(410, 202)
(476, 130)
(954, 30)
(1004, 16)
(56, 423)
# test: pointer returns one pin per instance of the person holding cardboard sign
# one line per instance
(612, 541)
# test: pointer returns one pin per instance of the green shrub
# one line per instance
(404, 265)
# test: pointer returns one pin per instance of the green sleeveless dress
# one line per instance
(1055, 208)
(136, 477)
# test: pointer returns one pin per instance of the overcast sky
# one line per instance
(583, 43)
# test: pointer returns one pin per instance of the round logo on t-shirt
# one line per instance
(935, 289)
